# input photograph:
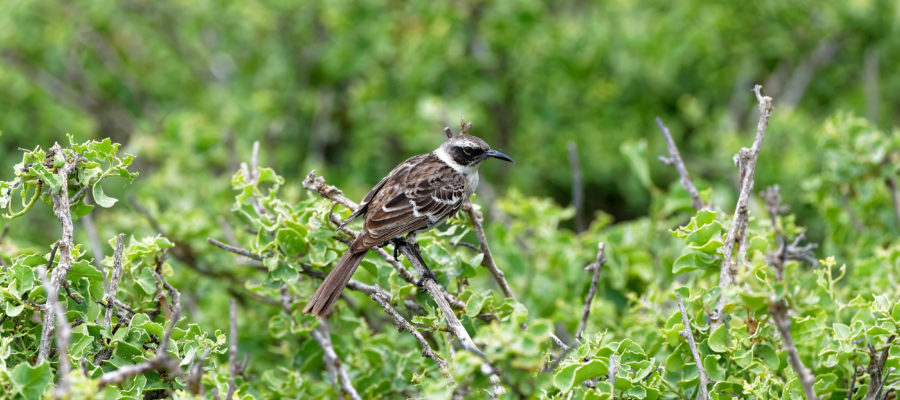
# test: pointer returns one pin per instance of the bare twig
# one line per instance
(233, 366)
(877, 374)
(595, 266)
(162, 359)
(613, 369)
(577, 185)
(687, 333)
(786, 251)
(852, 382)
(675, 160)
(488, 261)
(63, 332)
(779, 311)
(195, 373)
(113, 285)
(234, 249)
(746, 161)
(323, 337)
(63, 214)
(453, 325)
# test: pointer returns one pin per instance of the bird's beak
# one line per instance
(498, 155)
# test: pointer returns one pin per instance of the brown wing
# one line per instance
(413, 198)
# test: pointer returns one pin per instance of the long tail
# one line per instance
(331, 288)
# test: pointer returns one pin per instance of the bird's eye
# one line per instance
(468, 150)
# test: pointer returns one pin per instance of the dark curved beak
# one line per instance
(498, 155)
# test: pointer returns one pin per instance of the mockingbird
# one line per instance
(415, 196)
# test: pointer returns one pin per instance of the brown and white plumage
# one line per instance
(415, 196)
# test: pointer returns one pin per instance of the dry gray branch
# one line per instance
(234, 249)
(786, 251)
(162, 359)
(252, 175)
(63, 332)
(779, 311)
(453, 325)
(195, 374)
(877, 374)
(688, 335)
(63, 214)
(488, 262)
(577, 186)
(675, 160)
(233, 368)
(613, 369)
(595, 266)
(746, 160)
(112, 286)
(323, 337)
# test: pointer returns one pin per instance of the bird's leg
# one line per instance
(397, 242)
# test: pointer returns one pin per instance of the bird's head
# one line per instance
(469, 151)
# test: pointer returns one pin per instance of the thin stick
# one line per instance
(595, 266)
(63, 214)
(488, 261)
(162, 359)
(453, 325)
(746, 161)
(577, 185)
(675, 160)
(613, 369)
(234, 249)
(63, 333)
(689, 336)
(113, 285)
(332, 362)
(232, 349)
(779, 311)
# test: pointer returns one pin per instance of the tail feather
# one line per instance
(331, 288)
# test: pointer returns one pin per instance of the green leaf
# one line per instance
(719, 341)
(31, 382)
(841, 331)
(101, 198)
(49, 179)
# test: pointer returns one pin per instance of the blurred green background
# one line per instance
(353, 88)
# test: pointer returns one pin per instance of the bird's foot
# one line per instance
(397, 242)
(427, 275)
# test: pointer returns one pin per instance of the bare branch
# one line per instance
(595, 266)
(488, 261)
(233, 366)
(786, 251)
(779, 311)
(195, 374)
(877, 374)
(63, 214)
(113, 285)
(455, 327)
(234, 249)
(63, 332)
(162, 359)
(332, 362)
(746, 161)
(577, 185)
(675, 160)
(613, 369)
(689, 336)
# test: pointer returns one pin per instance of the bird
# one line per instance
(417, 195)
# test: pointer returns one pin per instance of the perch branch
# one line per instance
(332, 362)
(675, 160)
(113, 285)
(63, 332)
(234, 249)
(877, 374)
(595, 266)
(488, 262)
(703, 394)
(63, 214)
(746, 161)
